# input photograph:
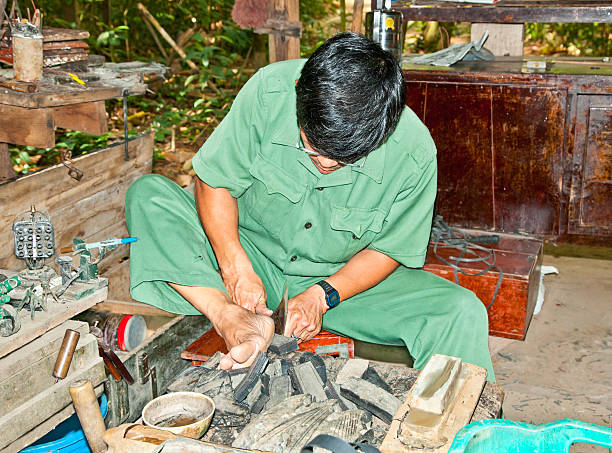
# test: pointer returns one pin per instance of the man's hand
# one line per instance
(305, 313)
(247, 290)
(245, 334)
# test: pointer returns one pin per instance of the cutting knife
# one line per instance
(280, 314)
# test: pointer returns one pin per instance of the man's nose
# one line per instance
(327, 162)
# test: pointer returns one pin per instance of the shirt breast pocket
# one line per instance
(272, 196)
(355, 228)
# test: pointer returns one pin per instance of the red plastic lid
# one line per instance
(121, 332)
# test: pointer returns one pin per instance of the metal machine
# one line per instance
(386, 27)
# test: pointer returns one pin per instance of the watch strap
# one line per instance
(330, 292)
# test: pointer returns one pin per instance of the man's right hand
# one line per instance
(245, 334)
(247, 290)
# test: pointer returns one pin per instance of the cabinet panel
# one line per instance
(591, 195)
(415, 97)
(459, 119)
(528, 137)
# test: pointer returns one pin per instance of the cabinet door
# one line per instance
(459, 119)
(500, 153)
(528, 126)
(591, 192)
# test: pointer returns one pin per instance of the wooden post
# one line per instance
(357, 16)
(284, 47)
(6, 165)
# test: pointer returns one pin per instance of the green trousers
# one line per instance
(411, 307)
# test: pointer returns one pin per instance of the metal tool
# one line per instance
(280, 314)
(9, 316)
(111, 360)
(113, 242)
(88, 266)
(114, 363)
(73, 172)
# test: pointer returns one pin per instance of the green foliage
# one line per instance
(315, 29)
(592, 40)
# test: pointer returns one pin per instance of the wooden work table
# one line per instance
(30, 119)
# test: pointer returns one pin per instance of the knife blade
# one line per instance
(280, 314)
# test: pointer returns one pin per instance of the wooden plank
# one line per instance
(51, 34)
(38, 349)
(65, 45)
(457, 415)
(44, 427)
(131, 307)
(508, 15)
(29, 370)
(503, 40)
(56, 95)
(65, 57)
(47, 320)
(91, 208)
(28, 416)
(88, 117)
(27, 127)
(6, 165)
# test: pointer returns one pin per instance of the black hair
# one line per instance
(350, 96)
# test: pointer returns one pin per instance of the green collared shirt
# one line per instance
(307, 223)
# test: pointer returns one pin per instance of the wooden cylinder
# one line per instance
(88, 410)
(64, 357)
(27, 52)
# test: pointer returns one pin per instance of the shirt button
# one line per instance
(354, 237)
(293, 258)
(320, 188)
(307, 225)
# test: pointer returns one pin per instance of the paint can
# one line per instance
(27, 52)
(117, 331)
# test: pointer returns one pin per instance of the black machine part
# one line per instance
(386, 27)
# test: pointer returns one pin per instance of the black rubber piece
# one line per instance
(373, 377)
(317, 362)
(247, 384)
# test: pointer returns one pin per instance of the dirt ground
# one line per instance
(563, 369)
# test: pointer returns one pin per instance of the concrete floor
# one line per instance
(563, 369)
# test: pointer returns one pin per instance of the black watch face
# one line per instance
(333, 299)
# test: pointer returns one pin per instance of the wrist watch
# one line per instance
(331, 295)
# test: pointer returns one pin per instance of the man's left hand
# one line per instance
(305, 314)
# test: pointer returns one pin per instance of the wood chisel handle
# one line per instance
(64, 356)
(88, 410)
(109, 364)
(117, 364)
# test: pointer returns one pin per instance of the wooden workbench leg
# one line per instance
(6, 165)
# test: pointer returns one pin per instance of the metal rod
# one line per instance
(125, 123)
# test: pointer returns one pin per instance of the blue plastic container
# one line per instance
(67, 437)
(505, 436)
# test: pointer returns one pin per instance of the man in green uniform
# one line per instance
(320, 178)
